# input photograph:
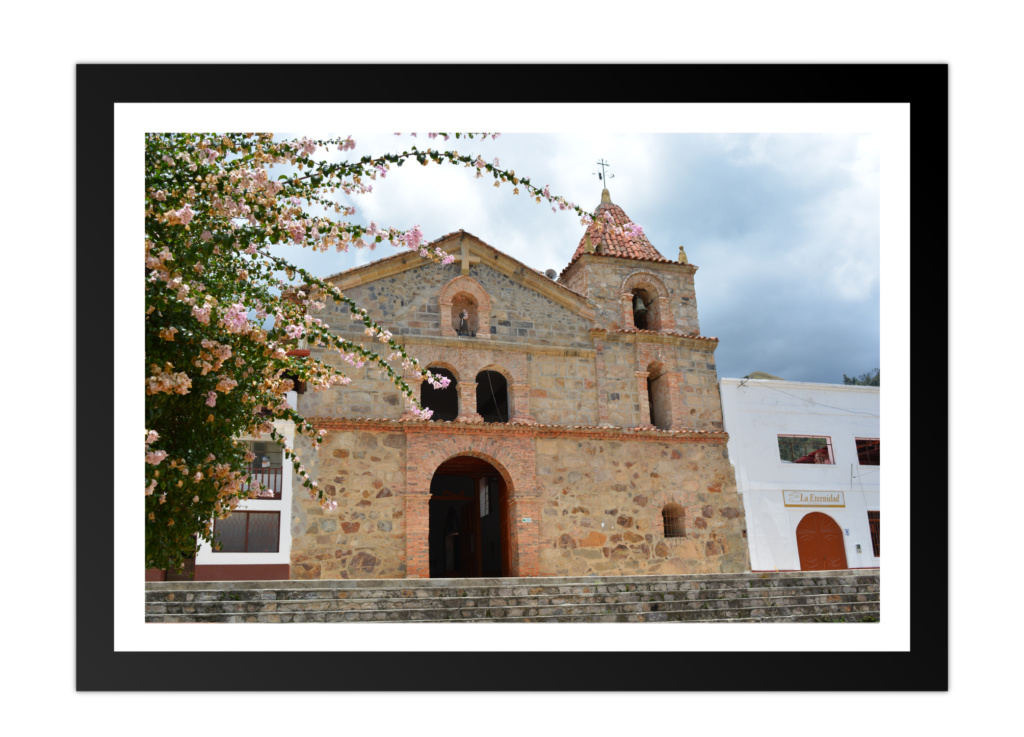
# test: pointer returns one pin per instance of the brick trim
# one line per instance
(414, 427)
(465, 285)
(513, 458)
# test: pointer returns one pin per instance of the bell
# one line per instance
(638, 305)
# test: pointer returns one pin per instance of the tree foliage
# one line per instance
(871, 378)
(221, 322)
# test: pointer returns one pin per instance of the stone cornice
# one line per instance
(532, 430)
(494, 345)
(599, 258)
(635, 336)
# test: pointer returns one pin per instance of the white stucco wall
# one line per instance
(755, 413)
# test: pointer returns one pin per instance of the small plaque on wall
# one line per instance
(813, 499)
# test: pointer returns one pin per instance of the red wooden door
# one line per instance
(819, 541)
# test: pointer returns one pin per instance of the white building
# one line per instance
(807, 466)
(256, 538)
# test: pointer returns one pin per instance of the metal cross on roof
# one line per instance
(602, 176)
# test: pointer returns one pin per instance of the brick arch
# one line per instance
(470, 286)
(490, 459)
(511, 456)
(644, 279)
(656, 368)
(650, 355)
(660, 313)
(498, 369)
(444, 365)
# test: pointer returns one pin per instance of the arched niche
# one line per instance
(464, 293)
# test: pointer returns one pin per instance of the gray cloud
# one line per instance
(784, 228)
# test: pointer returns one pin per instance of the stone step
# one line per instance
(190, 592)
(740, 580)
(828, 613)
(793, 596)
(815, 596)
(580, 609)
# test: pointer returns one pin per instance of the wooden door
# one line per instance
(469, 535)
(819, 541)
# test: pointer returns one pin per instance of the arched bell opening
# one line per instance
(642, 303)
(469, 520)
(444, 402)
(492, 397)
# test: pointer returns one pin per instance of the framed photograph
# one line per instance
(798, 191)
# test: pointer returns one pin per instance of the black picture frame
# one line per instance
(99, 87)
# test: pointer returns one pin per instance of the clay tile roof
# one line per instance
(693, 336)
(612, 241)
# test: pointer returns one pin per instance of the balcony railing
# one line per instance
(268, 476)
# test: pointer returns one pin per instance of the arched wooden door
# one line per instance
(819, 541)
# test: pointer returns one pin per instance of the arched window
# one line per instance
(492, 396)
(672, 520)
(444, 402)
(658, 397)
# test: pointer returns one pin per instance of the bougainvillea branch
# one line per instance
(221, 323)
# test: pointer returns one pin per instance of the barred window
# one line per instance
(672, 520)
(247, 532)
(875, 522)
(869, 451)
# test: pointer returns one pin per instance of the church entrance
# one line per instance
(819, 541)
(468, 529)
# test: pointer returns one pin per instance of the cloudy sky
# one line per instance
(783, 227)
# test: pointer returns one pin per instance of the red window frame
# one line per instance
(821, 456)
(245, 536)
(875, 523)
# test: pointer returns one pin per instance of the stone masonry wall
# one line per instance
(602, 282)
(369, 395)
(620, 384)
(601, 505)
(563, 390)
(407, 304)
(364, 472)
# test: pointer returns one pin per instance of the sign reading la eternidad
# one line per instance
(813, 499)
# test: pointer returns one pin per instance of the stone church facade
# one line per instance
(582, 434)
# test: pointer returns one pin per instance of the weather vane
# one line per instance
(602, 176)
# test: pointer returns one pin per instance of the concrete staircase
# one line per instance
(793, 596)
